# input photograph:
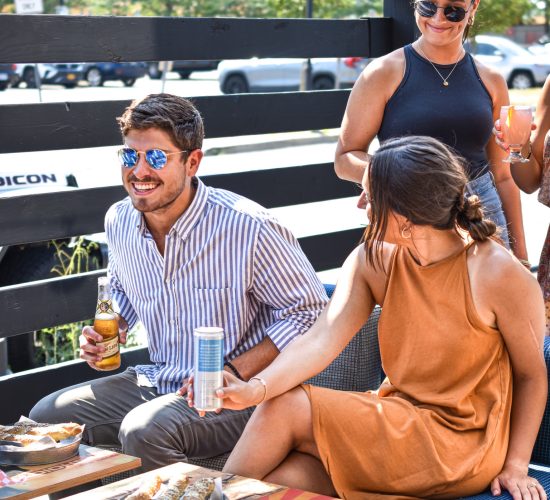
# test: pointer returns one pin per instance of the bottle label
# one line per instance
(210, 355)
(111, 347)
(104, 306)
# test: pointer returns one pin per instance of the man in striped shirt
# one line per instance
(183, 255)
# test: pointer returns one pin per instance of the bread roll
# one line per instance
(199, 490)
(175, 488)
(147, 490)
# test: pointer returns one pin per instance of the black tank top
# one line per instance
(460, 115)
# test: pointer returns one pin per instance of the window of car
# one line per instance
(486, 49)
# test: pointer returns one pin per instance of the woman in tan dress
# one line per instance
(462, 321)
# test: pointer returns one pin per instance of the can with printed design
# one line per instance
(208, 367)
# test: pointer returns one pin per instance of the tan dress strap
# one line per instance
(390, 268)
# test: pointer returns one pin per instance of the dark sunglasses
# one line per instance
(157, 158)
(452, 14)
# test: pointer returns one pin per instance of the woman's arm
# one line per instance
(364, 114)
(506, 187)
(528, 176)
(309, 354)
(520, 316)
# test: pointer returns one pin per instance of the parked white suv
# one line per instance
(520, 68)
(279, 75)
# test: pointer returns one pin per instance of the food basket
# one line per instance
(44, 451)
(15, 455)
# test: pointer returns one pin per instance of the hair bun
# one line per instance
(472, 208)
(470, 217)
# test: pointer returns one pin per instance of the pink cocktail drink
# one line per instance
(515, 123)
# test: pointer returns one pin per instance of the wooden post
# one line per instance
(404, 28)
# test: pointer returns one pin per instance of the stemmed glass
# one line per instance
(515, 124)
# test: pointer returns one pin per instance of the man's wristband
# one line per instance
(234, 370)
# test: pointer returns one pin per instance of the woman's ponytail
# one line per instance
(471, 218)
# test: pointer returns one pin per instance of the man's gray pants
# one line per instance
(159, 429)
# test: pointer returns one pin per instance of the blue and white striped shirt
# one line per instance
(227, 262)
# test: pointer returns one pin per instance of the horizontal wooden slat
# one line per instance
(68, 299)
(248, 114)
(283, 187)
(89, 38)
(46, 303)
(24, 390)
(328, 251)
(48, 216)
(68, 125)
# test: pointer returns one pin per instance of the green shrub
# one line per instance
(61, 343)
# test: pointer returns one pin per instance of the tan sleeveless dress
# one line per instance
(438, 427)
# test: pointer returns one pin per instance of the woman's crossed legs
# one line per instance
(278, 446)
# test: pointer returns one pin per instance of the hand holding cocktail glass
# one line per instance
(513, 130)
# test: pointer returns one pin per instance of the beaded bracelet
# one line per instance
(264, 383)
(234, 370)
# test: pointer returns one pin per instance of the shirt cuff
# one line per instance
(283, 333)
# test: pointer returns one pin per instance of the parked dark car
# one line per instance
(8, 75)
(127, 72)
(183, 68)
(67, 75)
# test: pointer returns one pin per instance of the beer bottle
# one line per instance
(106, 324)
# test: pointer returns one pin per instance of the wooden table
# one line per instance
(90, 464)
(234, 487)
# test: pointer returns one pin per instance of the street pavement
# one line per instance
(200, 83)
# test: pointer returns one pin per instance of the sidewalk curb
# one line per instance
(277, 144)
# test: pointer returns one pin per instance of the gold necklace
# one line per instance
(445, 80)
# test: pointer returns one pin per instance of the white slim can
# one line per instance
(208, 371)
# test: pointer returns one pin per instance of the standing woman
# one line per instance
(434, 87)
(536, 174)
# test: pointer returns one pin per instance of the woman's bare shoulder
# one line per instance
(376, 274)
(495, 269)
(385, 70)
(490, 251)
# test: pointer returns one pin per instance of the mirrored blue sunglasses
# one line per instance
(452, 14)
(157, 158)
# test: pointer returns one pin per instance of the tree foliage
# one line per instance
(212, 8)
(493, 17)
(261, 8)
